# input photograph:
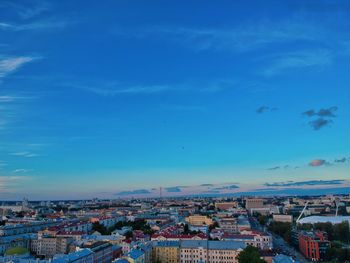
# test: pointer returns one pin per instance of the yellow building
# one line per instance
(166, 252)
(198, 220)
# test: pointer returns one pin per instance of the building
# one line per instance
(258, 240)
(50, 246)
(79, 256)
(225, 205)
(136, 256)
(32, 227)
(282, 259)
(283, 218)
(313, 245)
(192, 251)
(166, 251)
(103, 251)
(198, 220)
(252, 203)
(22, 240)
(228, 225)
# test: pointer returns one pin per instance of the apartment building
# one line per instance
(210, 251)
(50, 246)
(166, 251)
(313, 245)
(229, 225)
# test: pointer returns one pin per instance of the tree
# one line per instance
(99, 228)
(213, 226)
(283, 229)
(250, 255)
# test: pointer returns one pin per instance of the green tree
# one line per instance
(99, 228)
(282, 229)
(250, 255)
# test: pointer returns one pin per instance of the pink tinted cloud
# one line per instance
(317, 162)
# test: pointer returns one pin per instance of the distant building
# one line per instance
(283, 218)
(255, 239)
(229, 225)
(198, 220)
(254, 203)
(225, 205)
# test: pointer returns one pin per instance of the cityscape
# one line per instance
(174, 131)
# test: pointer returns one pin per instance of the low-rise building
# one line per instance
(283, 218)
(198, 220)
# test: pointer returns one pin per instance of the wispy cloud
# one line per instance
(9, 182)
(21, 171)
(10, 65)
(134, 192)
(323, 112)
(226, 187)
(112, 88)
(25, 154)
(38, 25)
(25, 10)
(319, 123)
(342, 160)
(304, 183)
(175, 189)
(243, 37)
(263, 109)
(283, 63)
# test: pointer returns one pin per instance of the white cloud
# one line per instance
(105, 88)
(9, 65)
(25, 154)
(21, 170)
(241, 37)
(9, 182)
(289, 61)
(39, 25)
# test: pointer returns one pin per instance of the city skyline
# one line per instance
(119, 99)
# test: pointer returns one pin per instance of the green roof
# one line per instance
(16, 251)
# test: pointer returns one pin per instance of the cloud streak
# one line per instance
(10, 65)
(134, 192)
(25, 154)
(303, 59)
(305, 183)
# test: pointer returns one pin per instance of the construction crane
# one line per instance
(337, 202)
(302, 212)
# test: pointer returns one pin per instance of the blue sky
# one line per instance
(117, 98)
